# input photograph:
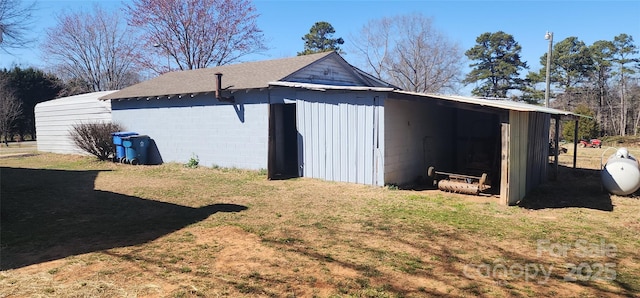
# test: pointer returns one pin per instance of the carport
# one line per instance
(508, 141)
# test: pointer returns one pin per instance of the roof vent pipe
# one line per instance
(219, 96)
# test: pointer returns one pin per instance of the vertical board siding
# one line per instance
(514, 157)
(522, 155)
(55, 119)
(525, 154)
(336, 136)
(328, 71)
(518, 157)
(505, 166)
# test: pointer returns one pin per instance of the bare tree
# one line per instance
(93, 47)
(193, 34)
(10, 110)
(410, 53)
(374, 45)
(95, 138)
(16, 17)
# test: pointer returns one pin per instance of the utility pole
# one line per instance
(548, 36)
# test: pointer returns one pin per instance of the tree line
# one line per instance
(598, 80)
(97, 50)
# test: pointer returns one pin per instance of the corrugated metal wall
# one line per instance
(339, 137)
(55, 118)
(524, 166)
(538, 149)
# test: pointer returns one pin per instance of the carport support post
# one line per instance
(575, 143)
(556, 143)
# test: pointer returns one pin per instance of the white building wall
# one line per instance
(219, 134)
(55, 118)
(417, 135)
(340, 136)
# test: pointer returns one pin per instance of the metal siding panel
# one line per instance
(353, 143)
(545, 157)
(532, 150)
(361, 143)
(379, 156)
(344, 142)
(501, 104)
(322, 141)
(316, 140)
(524, 145)
(55, 118)
(368, 150)
(300, 126)
(514, 161)
(329, 139)
(505, 166)
(517, 156)
(308, 140)
(536, 150)
(337, 138)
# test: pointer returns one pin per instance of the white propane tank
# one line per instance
(621, 174)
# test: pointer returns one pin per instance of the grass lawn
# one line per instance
(75, 227)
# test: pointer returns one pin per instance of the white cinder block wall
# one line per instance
(417, 135)
(219, 134)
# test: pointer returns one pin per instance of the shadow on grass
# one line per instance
(444, 265)
(581, 188)
(51, 214)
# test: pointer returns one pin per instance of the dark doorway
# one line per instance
(283, 153)
(477, 145)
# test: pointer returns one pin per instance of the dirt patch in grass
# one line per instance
(75, 227)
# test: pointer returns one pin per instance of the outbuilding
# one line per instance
(55, 119)
(318, 116)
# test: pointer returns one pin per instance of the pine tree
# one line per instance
(496, 65)
(319, 40)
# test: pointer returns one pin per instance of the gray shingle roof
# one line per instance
(249, 75)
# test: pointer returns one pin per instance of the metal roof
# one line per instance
(483, 102)
(86, 97)
(495, 103)
(272, 73)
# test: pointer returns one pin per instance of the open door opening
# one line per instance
(283, 141)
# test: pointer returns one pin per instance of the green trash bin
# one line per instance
(136, 148)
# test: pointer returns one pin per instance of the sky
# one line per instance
(284, 22)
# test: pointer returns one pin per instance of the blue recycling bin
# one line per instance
(136, 148)
(117, 142)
